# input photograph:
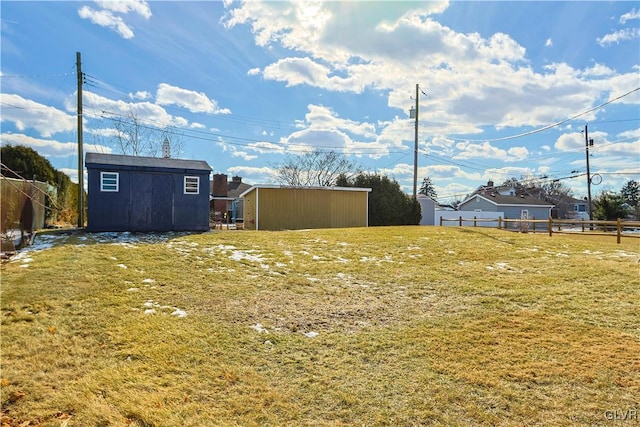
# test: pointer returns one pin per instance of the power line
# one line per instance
(532, 132)
(36, 76)
(194, 133)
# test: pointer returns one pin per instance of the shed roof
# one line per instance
(502, 200)
(289, 187)
(147, 162)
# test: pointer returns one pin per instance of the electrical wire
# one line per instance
(532, 132)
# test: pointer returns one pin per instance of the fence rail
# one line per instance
(571, 226)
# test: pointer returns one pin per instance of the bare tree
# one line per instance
(316, 168)
(134, 138)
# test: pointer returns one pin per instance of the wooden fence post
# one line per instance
(460, 221)
(534, 223)
(582, 225)
(550, 226)
(475, 224)
(440, 220)
(619, 232)
(499, 223)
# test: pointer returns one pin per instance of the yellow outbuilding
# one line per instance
(273, 207)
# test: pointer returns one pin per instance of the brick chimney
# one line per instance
(219, 185)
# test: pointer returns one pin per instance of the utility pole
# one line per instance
(415, 149)
(80, 151)
(588, 142)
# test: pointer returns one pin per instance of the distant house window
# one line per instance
(109, 181)
(582, 208)
(191, 184)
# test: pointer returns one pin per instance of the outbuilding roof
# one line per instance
(145, 162)
(289, 187)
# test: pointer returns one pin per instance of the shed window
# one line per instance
(109, 181)
(191, 184)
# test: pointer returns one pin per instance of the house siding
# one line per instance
(299, 208)
(479, 203)
(510, 207)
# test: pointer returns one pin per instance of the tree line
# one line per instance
(61, 203)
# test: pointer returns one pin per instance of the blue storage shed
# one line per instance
(133, 193)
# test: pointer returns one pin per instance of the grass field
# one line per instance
(385, 326)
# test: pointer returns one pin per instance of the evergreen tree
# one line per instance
(428, 189)
(609, 207)
(388, 204)
(23, 162)
(631, 193)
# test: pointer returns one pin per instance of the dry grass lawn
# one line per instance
(375, 327)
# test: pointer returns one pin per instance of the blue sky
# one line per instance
(508, 86)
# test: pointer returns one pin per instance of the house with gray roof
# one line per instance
(513, 207)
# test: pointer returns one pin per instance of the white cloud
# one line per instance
(634, 14)
(105, 18)
(140, 7)
(485, 150)
(196, 102)
(148, 113)
(108, 15)
(254, 175)
(518, 153)
(619, 36)
(141, 95)
(473, 81)
(548, 43)
(28, 114)
(49, 147)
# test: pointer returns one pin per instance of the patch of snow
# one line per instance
(148, 304)
(258, 327)
(310, 334)
(316, 257)
(226, 247)
(148, 281)
(133, 290)
(179, 313)
(625, 254)
(150, 311)
(24, 265)
(121, 266)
